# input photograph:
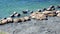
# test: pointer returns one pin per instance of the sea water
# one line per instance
(7, 7)
(50, 26)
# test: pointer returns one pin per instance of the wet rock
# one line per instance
(24, 12)
(31, 12)
(17, 15)
(38, 16)
(22, 19)
(58, 14)
(49, 13)
(12, 15)
(0, 22)
(3, 18)
(51, 8)
(3, 21)
(27, 18)
(39, 10)
(16, 20)
(14, 12)
(52, 14)
(44, 9)
(10, 20)
(58, 11)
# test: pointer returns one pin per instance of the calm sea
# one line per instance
(7, 7)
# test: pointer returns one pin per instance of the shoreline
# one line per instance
(39, 14)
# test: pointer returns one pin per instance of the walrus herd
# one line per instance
(39, 15)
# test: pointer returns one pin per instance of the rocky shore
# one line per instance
(39, 15)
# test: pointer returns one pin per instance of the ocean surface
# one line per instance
(50, 26)
(7, 7)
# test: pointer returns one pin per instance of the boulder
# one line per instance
(31, 12)
(25, 12)
(58, 6)
(58, 14)
(3, 21)
(51, 8)
(41, 17)
(27, 18)
(14, 12)
(50, 13)
(34, 14)
(16, 20)
(10, 20)
(38, 16)
(22, 19)
(58, 11)
(3, 18)
(44, 9)
(12, 15)
(0, 22)
(17, 15)
(39, 10)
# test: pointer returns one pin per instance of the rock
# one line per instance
(22, 19)
(51, 8)
(16, 20)
(10, 20)
(27, 18)
(31, 12)
(3, 18)
(49, 13)
(44, 9)
(41, 17)
(58, 14)
(52, 14)
(38, 16)
(14, 12)
(25, 12)
(39, 10)
(3, 21)
(35, 13)
(17, 15)
(0, 22)
(58, 11)
(12, 15)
